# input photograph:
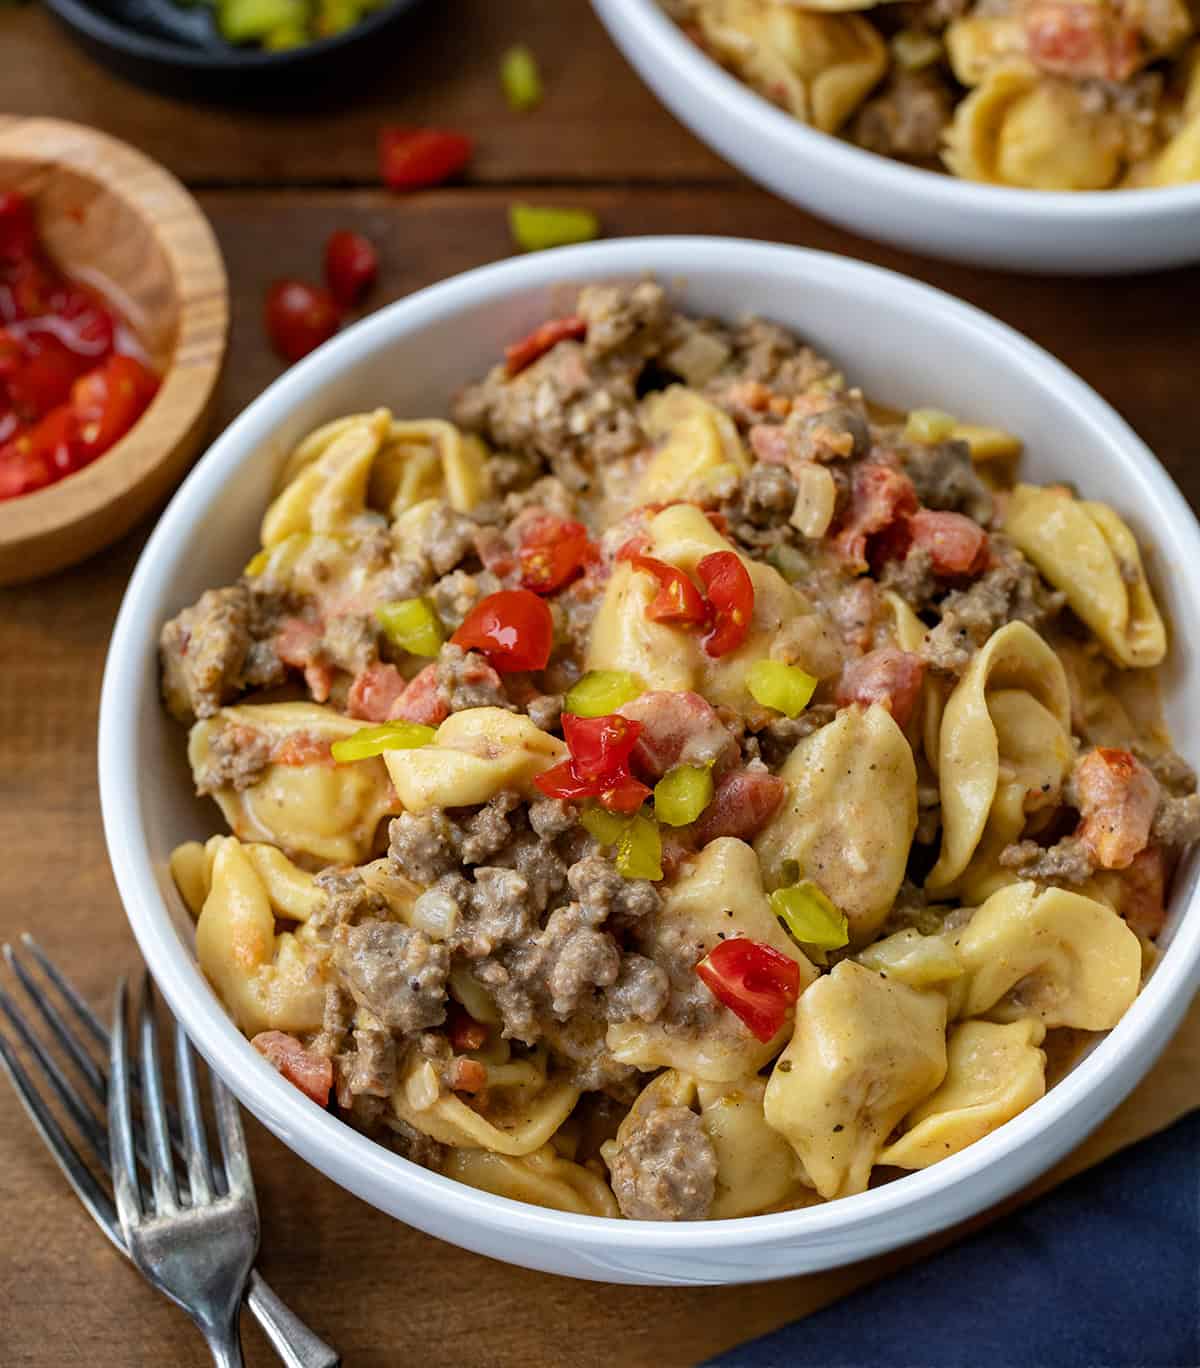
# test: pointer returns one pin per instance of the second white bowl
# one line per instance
(1061, 232)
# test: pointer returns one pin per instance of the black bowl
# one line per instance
(132, 38)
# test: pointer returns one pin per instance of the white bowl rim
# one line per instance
(828, 153)
(332, 1146)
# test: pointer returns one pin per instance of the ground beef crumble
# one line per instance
(665, 1168)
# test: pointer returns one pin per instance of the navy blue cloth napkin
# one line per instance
(1102, 1273)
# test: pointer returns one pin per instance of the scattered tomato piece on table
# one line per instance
(351, 265)
(412, 158)
(299, 317)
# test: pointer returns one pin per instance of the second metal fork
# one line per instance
(199, 1255)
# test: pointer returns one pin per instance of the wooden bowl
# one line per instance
(114, 219)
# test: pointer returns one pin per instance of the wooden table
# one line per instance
(275, 184)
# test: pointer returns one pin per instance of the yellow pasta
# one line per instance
(1085, 550)
(694, 442)
(541, 1177)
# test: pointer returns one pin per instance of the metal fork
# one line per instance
(200, 1255)
(295, 1344)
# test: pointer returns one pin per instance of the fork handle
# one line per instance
(291, 1339)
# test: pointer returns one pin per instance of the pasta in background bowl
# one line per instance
(416, 355)
(1036, 109)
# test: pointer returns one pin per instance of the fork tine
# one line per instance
(83, 1061)
(84, 1118)
(195, 1142)
(233, 1138)
(68, 990)
(120, 1123)
(154, 1107)
(77, 1173)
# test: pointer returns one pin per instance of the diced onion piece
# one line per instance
(929, 425)
(607, 827)
(786, 688)
(681, 795)
(387, 736)
(412, 625)
(810, 917)
(697, 359)
(520, 78)
(600, 692)
(639, 850)
(914, 50)
(816, 499)
(535, 227)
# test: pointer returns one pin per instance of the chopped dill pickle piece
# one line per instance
(639, 850)
(682, 794)
(607, 827)
(810, 917)
(412, 625)
(787, 688)
(601, 692)
(368, 741)
(929, 425)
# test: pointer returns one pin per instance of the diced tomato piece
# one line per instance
(678, 600)
(310, 1072)
(109, 400)
(524, 353)
(37, 373)
(297, 640)
(299, 317)
(512, 627)
(411, 158)
(678, 728)
(743, 802)
(423, 701)
(553, 552)
(466, 1075)
(22, 468)
(464, 1032)
(351, 265)
(302, 748)
(1117, 798)
(956, 544)
(375, 691)
(620, 793)
(1081, 41)
(888, 676)
(756, 982)
(600, 746)
(1143, 892)
(879, 497)
(730, 592)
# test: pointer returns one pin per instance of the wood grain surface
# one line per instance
(274, 185)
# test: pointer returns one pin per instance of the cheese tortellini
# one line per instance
(1004, 750)
(1086, 550)
(695, 446)
(1048, 953)
(849, 816)
(863, 1053)
(720, 895)
(819, 67)
(297, 798)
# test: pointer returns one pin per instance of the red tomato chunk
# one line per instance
(888, 676)
(310, 1072)
(730, 593)
(351, 265)
(513, 628)
(299, 317)
(411, 158)
(756, 982)
(553, 552)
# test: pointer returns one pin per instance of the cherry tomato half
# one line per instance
(552, 552)
(108, 401)
(18, 232)
(619, 793)
(600, 746)
(730, 591)
(678, 599)
(513, 628)
(351, 265)
(299, 317)
(756, 982)
(410, 158)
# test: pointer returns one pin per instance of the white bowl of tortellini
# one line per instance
(1006, 159)
(907, 344)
